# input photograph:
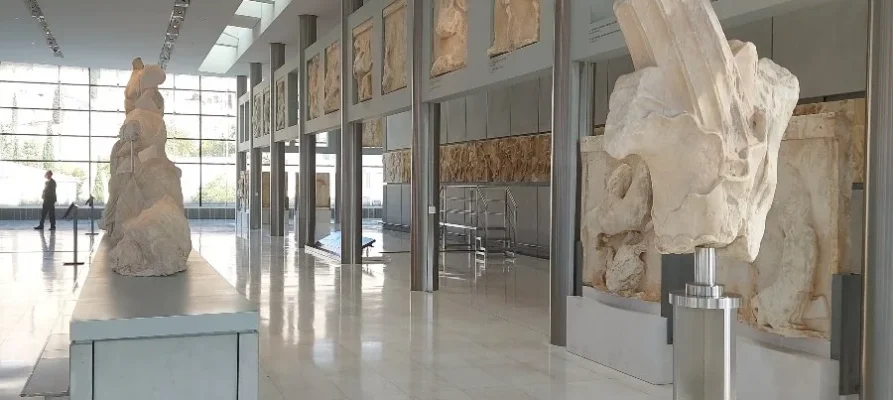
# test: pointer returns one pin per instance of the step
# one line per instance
(49, 378)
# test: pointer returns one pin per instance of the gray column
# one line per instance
(877, 351)
(335, 148)
(278, 191)
(255, 75)
(241, 162)
(425, 170)
(564, 179)
(306, 203)
(351, 150)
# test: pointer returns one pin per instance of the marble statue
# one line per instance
(332, 100)
(393, 75)
(281, 105)
(516, 23)
(257, 115)
(450, 36)
(362, 59)
(314, 103)
(707, 117)
(268, 101)
(144, 216)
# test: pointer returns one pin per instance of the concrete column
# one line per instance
(255, 75)
(306, 203)
(335, 148)
(278, 190)
(425, 185)
(351, 182)
(877, 351)
(565, 157)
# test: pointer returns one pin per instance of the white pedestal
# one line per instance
(323, 222)
(242, 224)
(182, 336)
(624, 334)
(770, 373)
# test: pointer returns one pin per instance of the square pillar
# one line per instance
(278, 191)
(306, 203)
(255, 75)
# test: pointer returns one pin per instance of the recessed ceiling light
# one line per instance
(178, 15)
(38, 16)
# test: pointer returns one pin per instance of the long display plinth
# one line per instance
(188, 335)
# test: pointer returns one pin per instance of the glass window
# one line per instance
(101, 148)
(109, 77)
(182, 150)
(190, 181)
(219, 83)
(218, 185)
(168, 96)
(218, 151)
(107, 98)
(218, 128)
(182, 81)
(74, 75)
(28, 95)
(186, 102)
(20, 72)
(182, 126)
(218, 103)
(99, 179)
(106, 123)
(73, 98)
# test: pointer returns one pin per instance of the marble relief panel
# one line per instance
(257, 106)
(314, 79)
(333, 78)
(373, 132)
(281, 104)
(267, 112)
(323, 190)
(516, 23)
(394, 70)
(362, 59)
(397, 166)
(450, 36)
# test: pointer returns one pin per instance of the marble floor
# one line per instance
(339, 332)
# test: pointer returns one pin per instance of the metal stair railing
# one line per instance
(479, 227)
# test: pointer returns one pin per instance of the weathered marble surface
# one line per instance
(314, 90)
(265, 199)
(397, 166)
(242, 191)
(450, 36)
(281, 105)
(706, 116)
(516, 23)
(619, 253)
(373, 132)
(323, 190)
(144, 215)
(257, 115)
(362, 59)
(512, 159)
(855, 111)
(394, 72)
(268, 100)
(333, 78)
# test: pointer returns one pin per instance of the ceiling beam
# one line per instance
(244, 21)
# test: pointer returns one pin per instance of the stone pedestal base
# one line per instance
(770, 373)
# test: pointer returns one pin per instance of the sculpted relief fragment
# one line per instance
(267, 111)
(362, 59)
(333, 78)
(281, 105)
(707, 117)
(450, 36)
(314, 89)
(394, 72)
(516, 23)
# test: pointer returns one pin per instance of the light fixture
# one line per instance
(37, 14)
(178, 15)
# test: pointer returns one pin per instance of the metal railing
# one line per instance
(482, 214)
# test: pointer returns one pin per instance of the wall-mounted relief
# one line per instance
(281, 104)
(267, 112)
(397, 166)
(854, 110)
(242, 191)
(323, 190)
(373, 132)
(394, 69)
(362, 59)
(314, 79)
(619, 253)
(450, 36)
(333, 78)
(257, 106)
(516, 23)
(787, 289)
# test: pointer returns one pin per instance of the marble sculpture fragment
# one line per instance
(393, 75)
(333, 78)
(144, 216)
(281, 105)
(314, 103)
(450, 36)
(707, 117)
(362, 59)
(516, 23)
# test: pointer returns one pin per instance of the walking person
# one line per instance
(49, 202)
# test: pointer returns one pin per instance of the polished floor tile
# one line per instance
(336, 332)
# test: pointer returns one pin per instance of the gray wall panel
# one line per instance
(616, 68)
(393, 204)
(545, 104)
(524, 106)
(601, 95)
(759, 33)
(455, 121)
(405, 219)
(544, 198)
(399, 129)
(498, 112)
(825, 46)
(526, 197)
(476, 116)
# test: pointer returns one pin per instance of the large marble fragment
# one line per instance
(257, 115)
(393, 75)
(144, 216)
(281, 105)
(362, 59)
(373, 132)
(516, 23)
(397, 166)
(268, 101)
(707, 117)
(450, 36)
(314, 90)
(332, 101)
(242, 191)
(323, 190)
(619, 255)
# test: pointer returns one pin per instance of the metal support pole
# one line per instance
(278, 206)
(75, 262)
(351, 150)
(92, 218)
(335, 148)
(306, 206)
(704, 338)
(425, 184)
(877, 351)
(565, 158)
(255, 74)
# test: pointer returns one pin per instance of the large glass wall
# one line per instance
(66, 119)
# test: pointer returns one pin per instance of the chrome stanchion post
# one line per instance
(92, 218)
(74, 209)
(704, 340)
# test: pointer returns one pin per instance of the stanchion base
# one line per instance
(73, 263)
(92, 233)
